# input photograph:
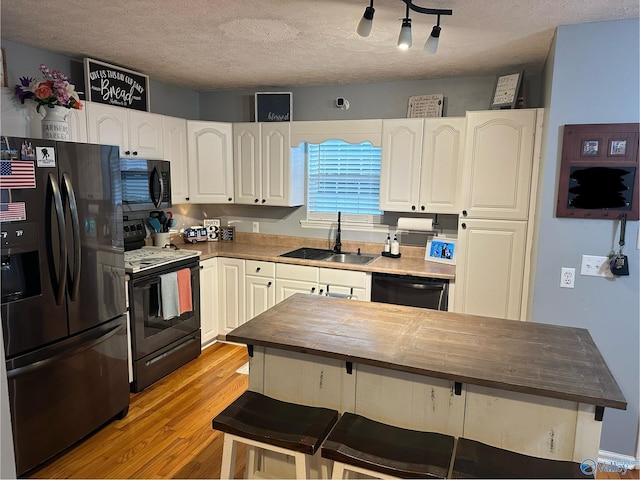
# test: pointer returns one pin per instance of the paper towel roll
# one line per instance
(415, 224)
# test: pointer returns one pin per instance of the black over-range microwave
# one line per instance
(146, 184)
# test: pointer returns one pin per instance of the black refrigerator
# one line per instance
(63, 293)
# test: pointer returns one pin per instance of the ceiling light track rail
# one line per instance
(427, 11)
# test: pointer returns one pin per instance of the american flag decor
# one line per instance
(17, 174)
(11, 212)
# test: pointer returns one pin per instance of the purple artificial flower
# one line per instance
(20, 88)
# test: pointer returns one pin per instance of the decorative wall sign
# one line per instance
(117, 86)
(274, 106)
(599, 171)
(507, 90)
(424, 106)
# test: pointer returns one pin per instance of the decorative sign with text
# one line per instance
(424, 106)
(273, 106)
(116, 86)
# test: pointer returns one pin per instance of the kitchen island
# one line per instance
(536, 389)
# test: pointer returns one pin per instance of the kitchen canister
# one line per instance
(55, 124)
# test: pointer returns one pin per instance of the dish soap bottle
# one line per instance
(395, 246)
(387, 244)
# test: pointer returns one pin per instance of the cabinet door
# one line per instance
(356, 285)
(441, 165)
(286, 288)
(490, 267)
(231, 293)
(145, 135)
(174, 136)
(210, 162)
(498, 162)
(247, 163)
(276, 164)
(400, 164)
(108, 125)
(209, 300)
(261, 295)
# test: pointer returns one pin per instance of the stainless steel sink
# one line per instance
(350, 258)
(328, 256)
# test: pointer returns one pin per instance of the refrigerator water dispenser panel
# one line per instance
(20, 276)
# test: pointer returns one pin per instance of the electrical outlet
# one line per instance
(567, 277)
(595, 266)
(256, 227)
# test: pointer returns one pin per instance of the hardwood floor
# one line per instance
(167, 432)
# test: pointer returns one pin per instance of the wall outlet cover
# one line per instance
(567, 277)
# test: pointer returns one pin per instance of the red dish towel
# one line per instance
(184, 290)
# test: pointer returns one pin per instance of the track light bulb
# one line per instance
(431, 45)
(366, 22)
(404, 39)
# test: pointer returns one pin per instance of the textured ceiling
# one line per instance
(222, 44)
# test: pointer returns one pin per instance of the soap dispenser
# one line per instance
(387, 244)
(395, 245)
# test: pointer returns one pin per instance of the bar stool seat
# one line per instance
(261, 421)
(475, 459)
(363, 445)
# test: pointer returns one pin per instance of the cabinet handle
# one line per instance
(413, 207)
(201, 267)
(135, 153)
(257, 269)
(127, 152)
(268, 284)
(313, 289)
(321, 291)
(186, 198)
(255, 201)
(263, 200)
(422, 207)
(464, 213)
(230, 199)
(464, 226)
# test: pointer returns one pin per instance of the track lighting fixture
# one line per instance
(404, 39)
(364, 27)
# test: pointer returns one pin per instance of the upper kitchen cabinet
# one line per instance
(138, 134)
(420, 169)
(174, 136)
(210, 160)
(265, 171)
(498, 163)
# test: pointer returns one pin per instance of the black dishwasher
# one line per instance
(409, 290)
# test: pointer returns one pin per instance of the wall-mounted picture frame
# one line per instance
(507, 90)
(618, 148)
(441, 250)
(273, 106)
(114, 85)
(591, 148)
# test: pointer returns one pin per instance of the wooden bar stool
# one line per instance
(478, 460)
(365, 446)
(260, 421)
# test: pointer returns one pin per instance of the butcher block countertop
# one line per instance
(270, 247)
(538, 359)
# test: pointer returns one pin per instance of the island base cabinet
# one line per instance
(532, 425)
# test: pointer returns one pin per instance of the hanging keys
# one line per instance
(619, 264)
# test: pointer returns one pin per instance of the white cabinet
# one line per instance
(501, 168)
(292, 279)
(138, 134)
(231, 294)
(174, 135)
(260, 288)
(420, 169)
(265, 172)
(346, 283)
(209, 300)
(498, 162)
(490, 267)
(210, 153)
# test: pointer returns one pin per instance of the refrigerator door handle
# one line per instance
(75, 228)
(67, 353)
(62, 238)
(156, 174)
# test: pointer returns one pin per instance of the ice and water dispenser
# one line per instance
(20, 262)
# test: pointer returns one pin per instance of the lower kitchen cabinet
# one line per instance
(292, 279)
(231, 294)
(260, 287)
(490, 268)
(209, 300)
(349, 283)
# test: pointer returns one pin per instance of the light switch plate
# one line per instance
(595, 266)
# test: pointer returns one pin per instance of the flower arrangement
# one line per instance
(54, 90)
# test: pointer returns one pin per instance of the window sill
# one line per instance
(353, 227)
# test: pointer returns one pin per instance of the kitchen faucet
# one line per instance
(337, 248)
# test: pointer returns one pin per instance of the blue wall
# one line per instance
(593, 73)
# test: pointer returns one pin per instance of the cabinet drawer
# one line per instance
(332, 276)
(297, 272)
(260, 269)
